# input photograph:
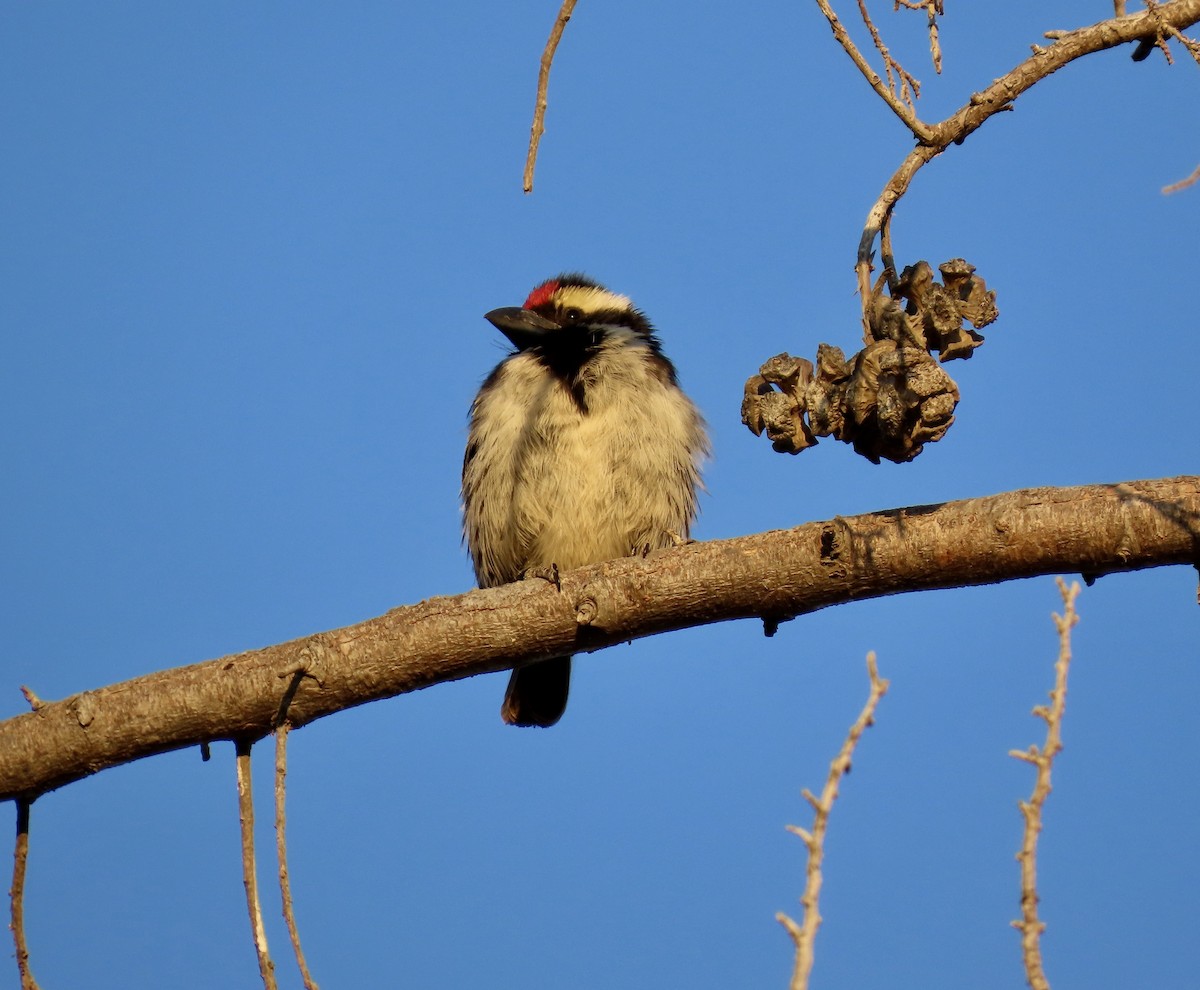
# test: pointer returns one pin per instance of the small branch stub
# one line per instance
(34, 701)
(892, 397)
(586, 611)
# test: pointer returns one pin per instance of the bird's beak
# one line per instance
(522, 326)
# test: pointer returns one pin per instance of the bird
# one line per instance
(581, 447)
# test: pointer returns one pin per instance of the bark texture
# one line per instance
(1094, 530)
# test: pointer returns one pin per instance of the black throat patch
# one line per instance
(565, 354)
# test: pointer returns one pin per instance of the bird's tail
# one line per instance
(537, 693)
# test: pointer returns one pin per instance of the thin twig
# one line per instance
(901, 109)
(910, 87)
(1165, 31)
(266, 967)
(539, 108)
(804, 935)
(1030, 925)
(1191, 180)
(285, 884)
(933, 10)
(886, 251)
(16, 895)
(1159, 41)
(935, 45)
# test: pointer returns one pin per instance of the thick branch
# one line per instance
(1095, 529)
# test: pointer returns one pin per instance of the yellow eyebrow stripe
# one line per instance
(589, 299)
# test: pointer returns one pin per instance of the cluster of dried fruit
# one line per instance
(892, 397)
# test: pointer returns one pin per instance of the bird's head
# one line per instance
(572, 313)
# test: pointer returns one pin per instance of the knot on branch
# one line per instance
(892, 397)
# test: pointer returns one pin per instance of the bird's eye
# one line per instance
(572, 315)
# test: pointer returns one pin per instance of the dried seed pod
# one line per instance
(892, 397)
(940, 309)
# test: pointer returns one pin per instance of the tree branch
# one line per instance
(1042, 758)
(245, 789)
(1094, 529)
(538, 128)
(16, 897)
(1190, 180)
(901, 107)
(1000, 95)
(804, 935)
(285, 882)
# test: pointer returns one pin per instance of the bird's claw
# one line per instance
(548, 573)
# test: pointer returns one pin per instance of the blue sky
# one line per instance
(246, 251)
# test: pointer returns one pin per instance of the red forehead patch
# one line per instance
(542, 294)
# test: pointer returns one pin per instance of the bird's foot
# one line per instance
(668, 540)
(548, 573)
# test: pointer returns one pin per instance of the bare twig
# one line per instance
(1159, 41)
(933, 10)
(804, 934)
(16, 895)
(910, 88)
(1030, 925)
(539, 108)
(266, 967)
(1164, 31)
(935, 46)
(285, 884)
(902, 109)
(1000, 95)
(887, 253)
(1191, 180)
